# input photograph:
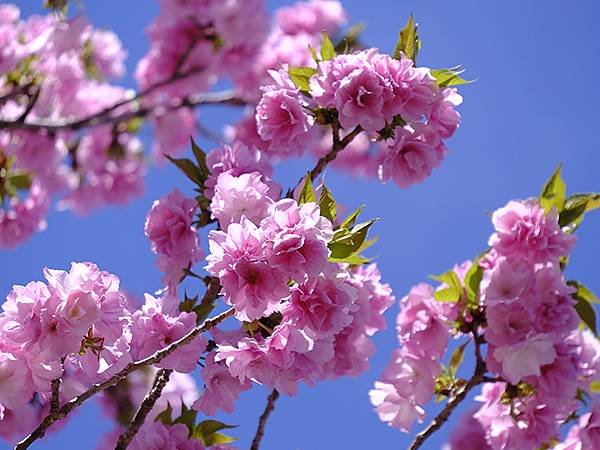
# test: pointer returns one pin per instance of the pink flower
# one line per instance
(397, 411)
(173, 130)
(220, 388)
(245, 195)
(16, 387)
(169, 229)
(235, 159)
(419, 324)
(249, 282)
(507, 282)
(158, 436)
(281, 117)
(524, 229)
(525, 358)
(313, 17)
(410, 156)
(322, 305)
(296, 238)
(589, 428)
(247, 361)
(468, 435)
(24, 217)
(153, 330)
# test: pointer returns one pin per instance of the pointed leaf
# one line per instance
(300, 76)
(327, 204)
(218, 439)
(307, 195)
(408, 41)
(451, 295)
(19, 180)
(473, 279)
(583, 292)
(554, 192)
(189, 169)
(592, 200)
(450, 278)
(166, 416)
(351, 219)
(587, 314)
(200, 158)
(327, 48)
(449, 77)
(457, 358)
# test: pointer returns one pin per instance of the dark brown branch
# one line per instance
(55, 396)
(336, 148)
(262, 421)
(156, 357)
(160, 381)
(444, 415)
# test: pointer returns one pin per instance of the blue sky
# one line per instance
(534, 105)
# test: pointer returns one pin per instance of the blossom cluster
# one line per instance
(541, 361)
(80, 327)
(389, 99)
(55, 69)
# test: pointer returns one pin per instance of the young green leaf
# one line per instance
(189, 169)
(592, 200)
(19, 180)
(200, 158)
(327, 48)
(457, 358)
(166, 416)
(327, 204)
(451, 295)
(408, 41)
(300, 76)
(583, 292)
(450, 278)
(208, 432)
(449, 77)
(351, 219)
(587, 314)
(473, 279)
(554, 192)
(187, 417)
(307, 195)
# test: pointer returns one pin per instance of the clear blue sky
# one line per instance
(534, 105)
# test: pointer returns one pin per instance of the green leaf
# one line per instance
(583, 292)
(347, 242)
(200, 159)
(166, 416)
(187, 417)
(408, 41)
(208, 432)
(351, 39)
(457, 358)
(595, 387)
(554, 192)
(307, 195)
(219, 438)
(327, 204)
(450, 278)
(586, 313)
(19, 180)
(189, 169)
(473, 279)
(202, 311)
(592, 200)
(351, 219)
(301, 77)
(449, 77)
(451, 295)
(313, 53)
(327, 48)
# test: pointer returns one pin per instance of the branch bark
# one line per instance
(336, 148)
(160, 381)
(477, 378)
(156, 357)
(262, 421)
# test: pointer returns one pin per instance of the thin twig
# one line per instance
(156, 357)
(444, 415)
(55, 397)
(337, 147)
(262, 421)
(160, 381)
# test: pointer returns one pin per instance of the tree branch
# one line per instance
(55, 398)
(160, 381)
(338, 146)
(444, 415)
(262, 421)
(131, 367)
